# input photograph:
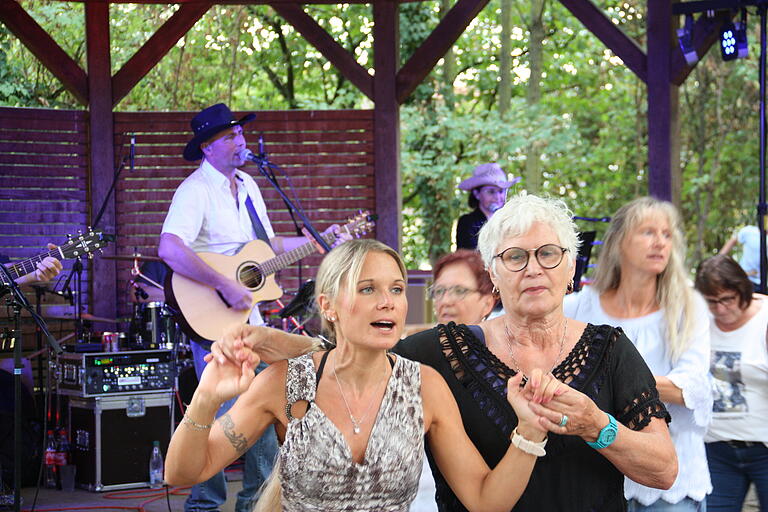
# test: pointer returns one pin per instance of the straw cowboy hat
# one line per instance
(208, 123)
(487, 174)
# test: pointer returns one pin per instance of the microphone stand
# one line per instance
(77, 267)
(16, 301)
(263, 164)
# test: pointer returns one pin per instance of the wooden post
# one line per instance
(660, 98)
(103, 279)
(386, 129)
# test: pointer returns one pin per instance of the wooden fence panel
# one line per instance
(43, 194)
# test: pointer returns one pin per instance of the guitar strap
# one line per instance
(258, 227)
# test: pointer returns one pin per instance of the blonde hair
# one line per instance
(517, 216)
(673, 292)
(346, 262)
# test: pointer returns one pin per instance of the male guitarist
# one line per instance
(219, 208)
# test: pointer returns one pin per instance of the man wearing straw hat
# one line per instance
(487, 189)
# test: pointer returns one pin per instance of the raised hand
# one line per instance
(221, 381)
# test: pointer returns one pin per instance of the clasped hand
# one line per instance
(544, 401)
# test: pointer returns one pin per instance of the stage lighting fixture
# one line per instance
(685, 38)
(733, 39)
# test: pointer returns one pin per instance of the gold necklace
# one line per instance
(512, 354)
(355, 422)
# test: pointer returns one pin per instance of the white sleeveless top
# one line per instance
(739, 369)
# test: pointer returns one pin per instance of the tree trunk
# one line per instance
(533, 94)
(505, 59)
(449, 64)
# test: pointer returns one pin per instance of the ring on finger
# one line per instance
(563, 421)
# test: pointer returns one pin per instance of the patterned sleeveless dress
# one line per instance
(317, 471)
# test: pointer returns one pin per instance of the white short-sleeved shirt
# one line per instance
(749, 238)
(204, 215)
(690, 373)
(740, 372)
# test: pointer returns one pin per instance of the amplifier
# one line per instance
(112, 438)
(116, 373)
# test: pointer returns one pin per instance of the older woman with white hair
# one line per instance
(642, 285)
(610, 421)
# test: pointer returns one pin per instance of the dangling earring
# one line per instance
(495, 291)
(569, 288)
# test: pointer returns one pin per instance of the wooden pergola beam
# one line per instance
(705, 34)
(661, 99)
(613, 37)
(318, 37)
(386, 122)
(101, 151)
(156, 48)
(47, 51)
(434, 47)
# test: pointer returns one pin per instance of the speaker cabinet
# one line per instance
(111, 438)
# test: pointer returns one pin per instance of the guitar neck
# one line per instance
(24, 267)
(290, 257)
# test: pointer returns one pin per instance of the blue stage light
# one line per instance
(733, 39)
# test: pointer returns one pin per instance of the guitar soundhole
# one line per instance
(251, 275)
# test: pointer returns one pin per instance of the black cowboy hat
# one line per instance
(208, 123)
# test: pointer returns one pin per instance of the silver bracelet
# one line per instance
(528, 446)
(193, 424)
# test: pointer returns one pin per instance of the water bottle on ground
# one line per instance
(50, 461)
(156, 467)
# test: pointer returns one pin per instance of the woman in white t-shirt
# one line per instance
(735, 441)
(641, 285)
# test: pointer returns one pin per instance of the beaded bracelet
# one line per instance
(193, 424)
(528, 446)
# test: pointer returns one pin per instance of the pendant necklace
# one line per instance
(512, 354)
(355, 422)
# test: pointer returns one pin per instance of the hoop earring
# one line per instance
(569, 288)
(495, 291)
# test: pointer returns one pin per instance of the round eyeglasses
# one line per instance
(516, 259)
(458, 292)
(727, 301)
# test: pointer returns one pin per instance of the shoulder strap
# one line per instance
(258, 227)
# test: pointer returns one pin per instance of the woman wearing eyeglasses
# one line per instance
(609, 423)
(735, 442)
(641, 285)
(461, 292)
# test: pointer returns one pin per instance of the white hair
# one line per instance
(517, 216)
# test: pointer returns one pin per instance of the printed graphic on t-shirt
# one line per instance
(728, 386)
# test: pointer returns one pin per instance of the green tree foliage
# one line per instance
(589, 124)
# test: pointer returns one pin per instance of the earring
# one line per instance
(329, 318)
(569, 288)
(495, 290)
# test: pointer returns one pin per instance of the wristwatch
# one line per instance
(607, 434)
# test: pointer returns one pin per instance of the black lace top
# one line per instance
(604, 365)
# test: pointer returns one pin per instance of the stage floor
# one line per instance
(51, 499)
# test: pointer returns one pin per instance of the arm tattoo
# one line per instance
(238, 441)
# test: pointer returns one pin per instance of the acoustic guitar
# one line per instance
(202, 312)
(76, 246)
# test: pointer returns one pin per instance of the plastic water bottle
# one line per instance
(156, 467)
(62, 448)
(50, 461)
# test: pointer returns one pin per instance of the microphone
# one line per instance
(261, 146)
(248, 156)
(140, 292)
(133, 150)
(495, 207)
